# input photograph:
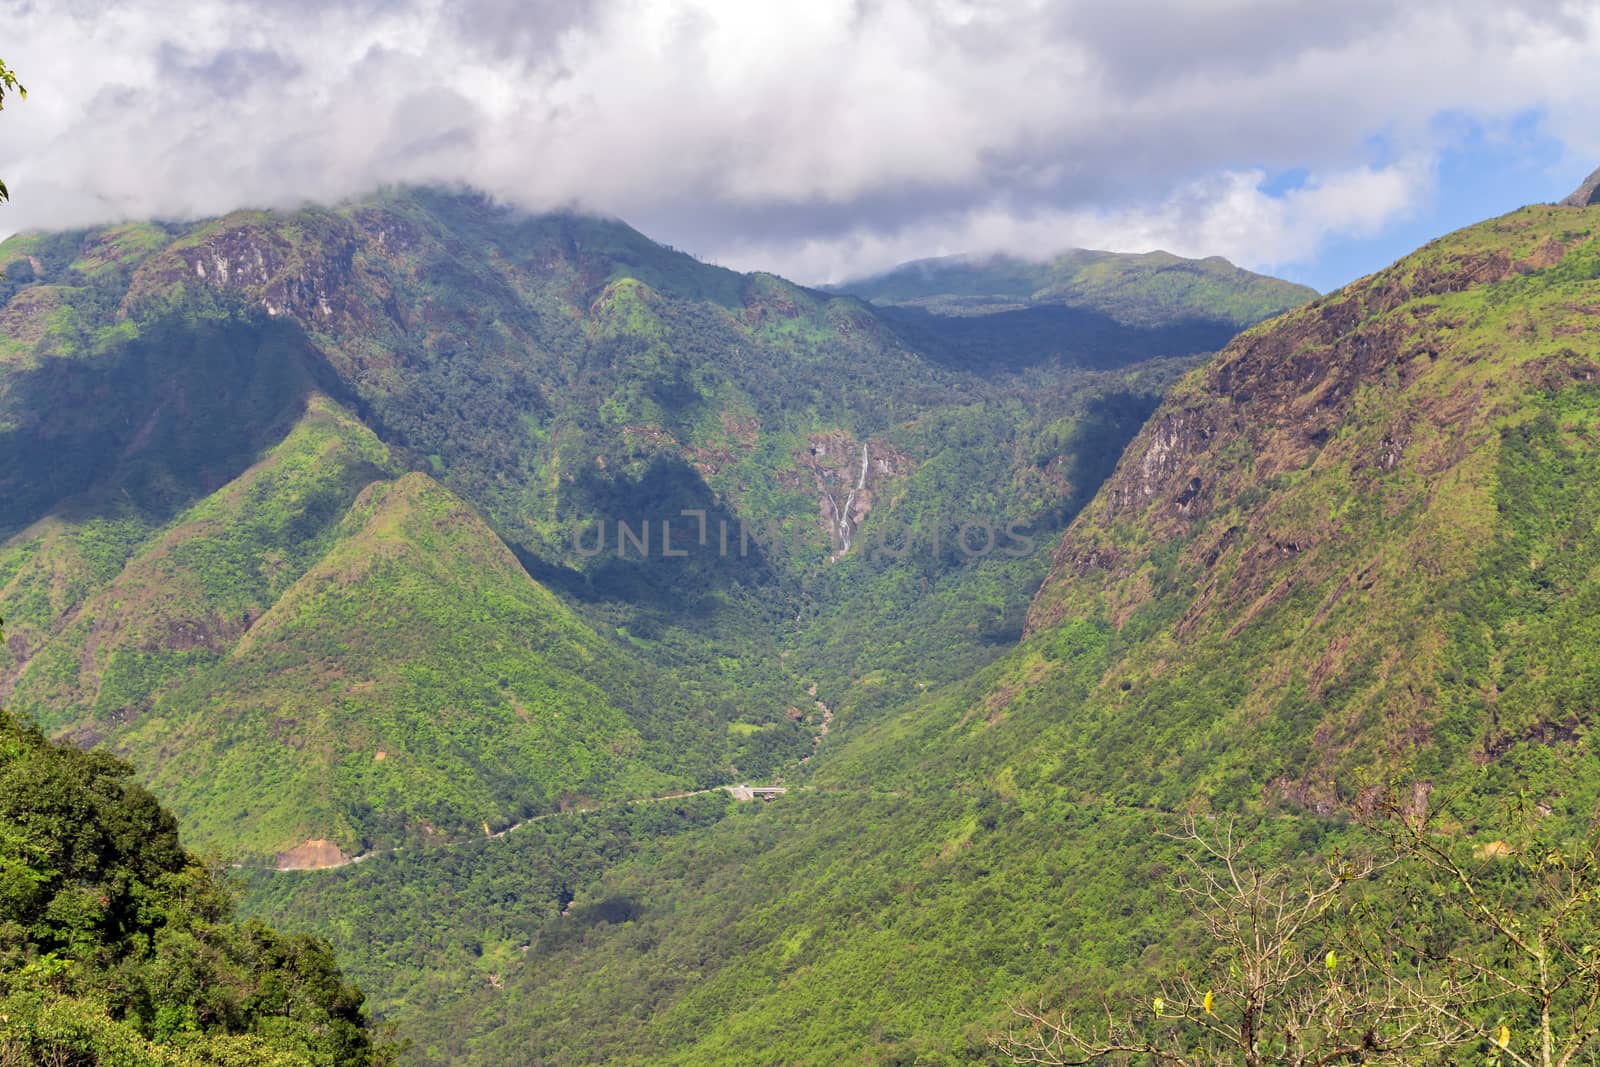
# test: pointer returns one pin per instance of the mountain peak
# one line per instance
(1587, 193)
(1147, 289)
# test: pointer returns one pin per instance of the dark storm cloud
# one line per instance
(818, 139)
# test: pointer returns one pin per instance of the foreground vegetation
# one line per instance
(1418, 950)
(118, 947)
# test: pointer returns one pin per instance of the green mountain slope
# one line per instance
(191, 414)
(413, 679)
(117, 946)
(1089, 309)
(1149, 289)
(1365, 529)
(1357, 547)
(102, 610)
(318, 652)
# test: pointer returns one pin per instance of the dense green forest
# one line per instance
(454, 919)
(438, 632)
(117, 946)
(412, 518)
(1348, 557)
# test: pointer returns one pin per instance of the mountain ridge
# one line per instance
(1083, 278)
(196, 413)
(1408, 600)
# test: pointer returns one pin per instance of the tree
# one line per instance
(1488, 950)
(1520, 948)
(8, 83)
(1275, 989)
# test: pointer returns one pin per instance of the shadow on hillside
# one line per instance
(154, 422)
(1107, 427)
(633, 566)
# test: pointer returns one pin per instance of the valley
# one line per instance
(673, 533)
(1263, 612)
(316, 549)
(359, 544)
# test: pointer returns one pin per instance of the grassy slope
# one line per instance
(418, 635)
(262, 648)
(105, 610)
(1338, 538)
(1407, 469)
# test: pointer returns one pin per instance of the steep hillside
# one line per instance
(745, 497)
(117, 946)
(1357, 547)
(1360, 541)
(316, 652)
(123, 599)
(414, 678)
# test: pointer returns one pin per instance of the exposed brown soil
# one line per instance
(315, 854)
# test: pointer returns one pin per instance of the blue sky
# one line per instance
(1478, 175)
(833, 138)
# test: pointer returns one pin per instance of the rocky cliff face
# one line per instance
(1585, 194)
(1328, 487)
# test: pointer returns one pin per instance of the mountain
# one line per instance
(118, 946)
(1371, 527)
(1356, 548)
(1584, 195)
(1081, 306)
(279, 654)
(408, 519)
(1153, 289)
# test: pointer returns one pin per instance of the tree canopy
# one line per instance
(9, 83)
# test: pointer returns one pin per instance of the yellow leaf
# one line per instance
(1505, 1036)
(1158, 1005)
(1208, 1002)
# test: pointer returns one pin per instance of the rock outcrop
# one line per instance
(1587, 193)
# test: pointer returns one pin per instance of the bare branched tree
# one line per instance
(1522, 977)
(1281, 986)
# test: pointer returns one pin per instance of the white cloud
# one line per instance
(819, 139)
(1228, 214)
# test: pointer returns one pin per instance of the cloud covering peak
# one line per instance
(822, 139)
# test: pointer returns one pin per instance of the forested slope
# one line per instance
(1356, 549)
(332, 503)
(118, 946)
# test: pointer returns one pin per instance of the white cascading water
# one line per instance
(843, 518)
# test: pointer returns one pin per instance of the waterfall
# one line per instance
(843, 518)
